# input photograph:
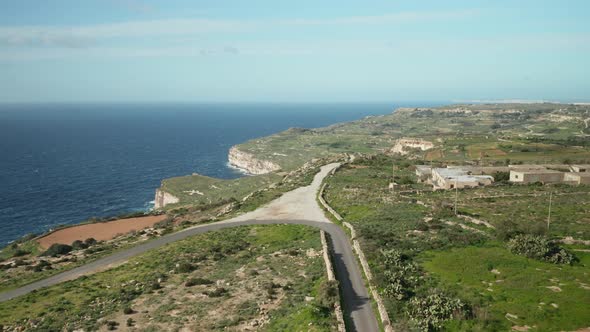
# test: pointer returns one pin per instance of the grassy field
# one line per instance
(267, 277)
(514, 289)
(202, 190)
(529, 207)
(445, 254)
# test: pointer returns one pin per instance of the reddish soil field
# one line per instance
(99, 231)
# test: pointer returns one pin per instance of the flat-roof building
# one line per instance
(450, 178)
(532, 176)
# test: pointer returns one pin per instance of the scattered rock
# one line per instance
(554, 288)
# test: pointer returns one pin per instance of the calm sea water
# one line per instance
(65, 163)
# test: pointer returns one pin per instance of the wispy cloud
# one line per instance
(85, 36)
(89, 35)
(402, 17)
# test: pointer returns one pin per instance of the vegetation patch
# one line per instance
(201, 283)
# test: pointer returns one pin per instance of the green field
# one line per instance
(518, 286)
(441, 257)
(238, 275)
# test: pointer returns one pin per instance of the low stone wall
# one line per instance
(383, 315)
(325, 204)
(332, 276)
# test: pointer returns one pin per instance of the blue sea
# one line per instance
(65, 163)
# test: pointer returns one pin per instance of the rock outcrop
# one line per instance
(163, 198)
(249, 163)
(403, 145)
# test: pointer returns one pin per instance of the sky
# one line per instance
(294, 51)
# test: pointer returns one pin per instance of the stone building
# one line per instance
(536, 175)
(451, 178)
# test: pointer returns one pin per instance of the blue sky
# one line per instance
(296, 51)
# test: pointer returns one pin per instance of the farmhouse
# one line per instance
(450, 178)
(423, 172)
(532, 176)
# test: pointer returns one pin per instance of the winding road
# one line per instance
(295, 207)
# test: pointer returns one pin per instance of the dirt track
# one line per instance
(99, 231)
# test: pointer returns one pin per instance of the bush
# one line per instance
(112, 325)
(328, 293)
(401, 274)
(78, 245)
(501, 177)
(20, 252)
(184, 267)
(197, 281)
(540, 248)
(90, 241)
(57, 249)
(432, 311)
(130, 322)
(128, 311)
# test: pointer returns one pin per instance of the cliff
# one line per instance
(163, 198)
(249, 163)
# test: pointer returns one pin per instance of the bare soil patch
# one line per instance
(100, 231)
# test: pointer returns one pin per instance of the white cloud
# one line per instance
(85, 36)
(402, 17)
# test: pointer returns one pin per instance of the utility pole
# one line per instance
(393, 177)
(456, 196)
(549, 214)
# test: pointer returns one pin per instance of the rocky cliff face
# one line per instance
(247, 162)
(163, 198)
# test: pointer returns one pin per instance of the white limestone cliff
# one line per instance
(249, 163)
(163, 198)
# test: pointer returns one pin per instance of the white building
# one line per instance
(450, 178)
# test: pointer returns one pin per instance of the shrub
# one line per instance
(78, 245)
(90, 241)
(197, 281)
(57, 249)
(540, 248)
(432, 311)
(184, 267)
(20, 252)
(501, 177)
(401, 274)
(130, 322)
(128, 311)
(328, 293)
(111, 325)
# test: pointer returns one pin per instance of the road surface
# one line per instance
(295, 207)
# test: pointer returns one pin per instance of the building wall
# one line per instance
(525, 177)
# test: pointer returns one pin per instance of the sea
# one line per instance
(65, 163)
